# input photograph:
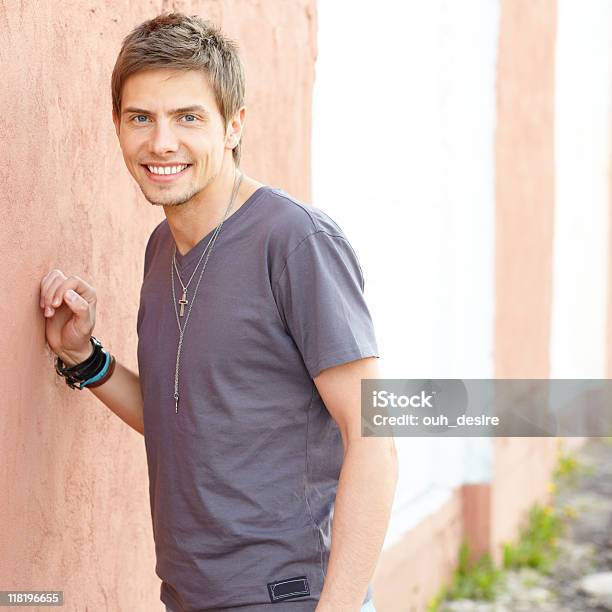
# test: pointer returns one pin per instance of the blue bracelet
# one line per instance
(100, 374)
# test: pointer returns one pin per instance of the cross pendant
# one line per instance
(183, 302)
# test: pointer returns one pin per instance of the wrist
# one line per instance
(71, 358)
(86, 371)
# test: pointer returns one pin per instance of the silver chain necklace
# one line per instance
(183, 301)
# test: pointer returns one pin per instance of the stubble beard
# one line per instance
(177, 201)
(185, 197)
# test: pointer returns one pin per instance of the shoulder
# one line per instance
(302, 236)
(290, 221)
(154, 239)
(155, 235)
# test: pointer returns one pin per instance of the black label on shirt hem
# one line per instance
(289, 588)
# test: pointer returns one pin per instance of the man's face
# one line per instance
(171, 133)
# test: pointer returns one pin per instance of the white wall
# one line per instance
(403, 160)
(582, 156)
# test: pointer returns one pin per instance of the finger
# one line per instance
(56, 292)
(46, 283)
(77, 284)
(51, 292)
(80, 308)
(55, 280)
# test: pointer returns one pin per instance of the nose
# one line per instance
(163, 139)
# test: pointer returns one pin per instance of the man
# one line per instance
(253, 336)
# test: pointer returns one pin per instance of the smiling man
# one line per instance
(253, 337)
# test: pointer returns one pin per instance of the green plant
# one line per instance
(478, 579)
(536, 546)
(434, 604)
(537, 543)
(567, 468)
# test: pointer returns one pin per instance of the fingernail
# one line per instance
(48, 311)
(56, 301)
(71, 295)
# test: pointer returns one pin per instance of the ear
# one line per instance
(234, 128)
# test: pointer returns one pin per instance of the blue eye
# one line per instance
(190, 118)
(138, 117)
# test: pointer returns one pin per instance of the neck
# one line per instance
(194, 219)
(190, 222)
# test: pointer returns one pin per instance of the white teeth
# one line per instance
(166, 169)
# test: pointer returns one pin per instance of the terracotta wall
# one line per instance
(524, 188)
(525, 201)
(74, 512)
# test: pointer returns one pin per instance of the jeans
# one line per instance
(367, 607)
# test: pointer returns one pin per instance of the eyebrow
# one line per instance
(177, 111)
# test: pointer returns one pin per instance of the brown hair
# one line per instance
(175, 40)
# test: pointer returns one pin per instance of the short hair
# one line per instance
(175, 40)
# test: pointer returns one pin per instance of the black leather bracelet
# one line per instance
(85, 370)
(87, 362)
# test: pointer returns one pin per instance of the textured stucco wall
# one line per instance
(74, 512)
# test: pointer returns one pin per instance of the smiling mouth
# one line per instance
(165, 170)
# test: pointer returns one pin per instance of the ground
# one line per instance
(585, 548)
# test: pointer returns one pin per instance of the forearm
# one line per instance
(121, 393)
(361, 515)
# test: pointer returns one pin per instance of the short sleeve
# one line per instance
(320, 296)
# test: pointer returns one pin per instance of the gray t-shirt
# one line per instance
(242, 480)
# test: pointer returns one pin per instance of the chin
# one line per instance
(168, 199)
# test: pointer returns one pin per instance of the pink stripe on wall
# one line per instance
(487, 514)
(524, 188)
(524, 245)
